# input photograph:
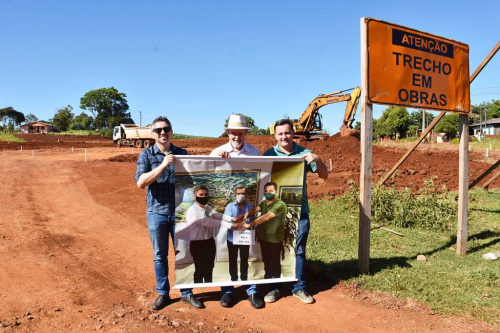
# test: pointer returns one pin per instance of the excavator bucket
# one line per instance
(347, 131)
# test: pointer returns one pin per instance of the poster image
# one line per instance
(207, 235)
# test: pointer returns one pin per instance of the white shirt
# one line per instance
(247, 150)
(200, 221)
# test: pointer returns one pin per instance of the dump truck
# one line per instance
(132, 135)
(309, 125)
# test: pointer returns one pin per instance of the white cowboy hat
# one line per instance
(237, 121)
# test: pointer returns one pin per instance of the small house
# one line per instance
(488, 127)
(37, 127)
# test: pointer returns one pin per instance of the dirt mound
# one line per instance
(427, 162)
(124, 158)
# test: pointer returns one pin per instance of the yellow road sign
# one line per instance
(412, 68)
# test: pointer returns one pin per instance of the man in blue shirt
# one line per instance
(234, 209)
(283, 130)
(155, 171)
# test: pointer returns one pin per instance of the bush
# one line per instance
(402, 208)
(106, 132)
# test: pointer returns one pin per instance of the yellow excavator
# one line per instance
(309, 126)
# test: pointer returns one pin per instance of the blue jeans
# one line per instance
(300, 251)
(160, 227)
(300, 255)
(250, 289)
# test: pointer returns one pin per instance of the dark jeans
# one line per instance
(203, 252)
(272, 261)
(233, 267)
(233, 260)
(160, 228)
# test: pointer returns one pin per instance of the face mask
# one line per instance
(269, 196)
(202, 200)
(240, 198)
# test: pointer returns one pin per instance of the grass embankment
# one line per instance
(186, 136)
(10, 137)
(76, 132)
(84, 132)
(492, 143)
(446, 282)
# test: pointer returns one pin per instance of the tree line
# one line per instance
(108, 107)
(398, 122)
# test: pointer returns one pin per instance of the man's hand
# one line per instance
(322, 171)
(311, 158)
(236, 226)
(239, 218)
(169, 159)
(223, 154)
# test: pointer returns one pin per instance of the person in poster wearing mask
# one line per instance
(201, 218)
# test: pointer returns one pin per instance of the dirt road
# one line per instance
(76, 256)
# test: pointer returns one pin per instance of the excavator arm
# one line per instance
(350, 112)
(309, 125)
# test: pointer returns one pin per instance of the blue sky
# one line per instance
(197, 62)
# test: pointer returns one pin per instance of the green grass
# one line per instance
(75, 132)
(10, 137)
(494, 142)
(186, 136)
(448, 283)
(85, 132)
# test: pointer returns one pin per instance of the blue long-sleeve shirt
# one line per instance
(160, 196)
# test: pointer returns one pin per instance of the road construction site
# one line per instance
(76, 254)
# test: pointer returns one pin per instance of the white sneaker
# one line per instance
(304, 296)
(272, 296)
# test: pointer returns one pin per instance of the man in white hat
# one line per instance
(237, 130)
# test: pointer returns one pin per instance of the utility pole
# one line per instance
(423, 121)
(140, 118)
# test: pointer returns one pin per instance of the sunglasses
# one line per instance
(166, 129)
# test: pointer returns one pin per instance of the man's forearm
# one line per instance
(149, 178)
(322, 170)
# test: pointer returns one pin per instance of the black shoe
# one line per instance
(256, 301)
(227, 300)
(192, 301)
(161, 302)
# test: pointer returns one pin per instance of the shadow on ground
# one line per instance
(322, 276)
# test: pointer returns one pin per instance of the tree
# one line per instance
(415, 118)
(449, 125)
(484, 111)
(63, 117)
(9, 114)
(250, 124)
(81, 122)
(30, 117)
(108, 105)
(357, 126)
(394, 120)
(494, 109)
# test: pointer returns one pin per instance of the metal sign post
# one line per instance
(365, 182)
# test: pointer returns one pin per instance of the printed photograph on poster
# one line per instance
(221, 185)
(213, 247)
(291, 195)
